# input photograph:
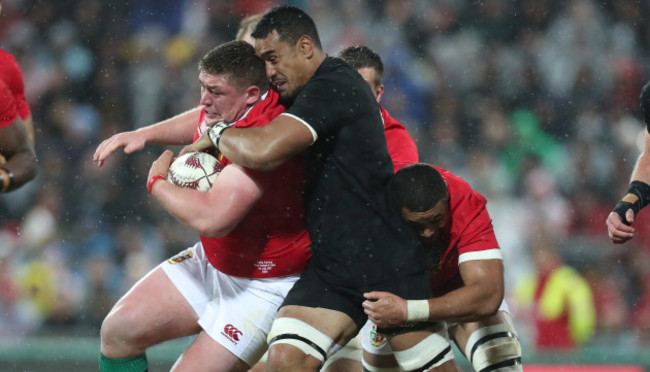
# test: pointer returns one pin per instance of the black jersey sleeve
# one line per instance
(327, 102)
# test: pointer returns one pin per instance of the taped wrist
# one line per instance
(417, 310)
(216, 131)
(636, 197)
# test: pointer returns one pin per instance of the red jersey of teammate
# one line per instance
(272, 240)
(470, 237)
(8, 112)
(12, 76)
(401, 146)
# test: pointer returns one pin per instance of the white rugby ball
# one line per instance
(194, 170)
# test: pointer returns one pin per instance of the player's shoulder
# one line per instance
(460, 189)
(337, 71)
(265, 110)
(6, 56)
(6, 96)
(8, 61)
(389, 121)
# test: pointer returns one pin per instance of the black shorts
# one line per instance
(312, 290)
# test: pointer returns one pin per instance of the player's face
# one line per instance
(286, 67)
(430, 224)
(369, 74)
(221, 99)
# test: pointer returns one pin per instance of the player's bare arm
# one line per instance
(20, 160)
(261, 148)
(29, 127)
(479, 298)
(215, 213)
(637, 196)
(177, 130)
(618, 231)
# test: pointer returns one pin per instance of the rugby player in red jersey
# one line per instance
(467, 279)
(18, 158)
(227, 288)
(401, 146)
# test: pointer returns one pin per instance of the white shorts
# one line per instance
(376, 343)
(236, 312)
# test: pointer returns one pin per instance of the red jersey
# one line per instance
(272, 240)
(12, 76)
(8, 112)
(401, 146)
(471, 236)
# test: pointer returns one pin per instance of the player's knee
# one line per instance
(494, 348)
(294, 343)
(344, 365)
(119, 330)
(432, 352)
(283, 357)
(379, 363)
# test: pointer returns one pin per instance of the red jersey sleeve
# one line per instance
(401, 146)
(471, 236)
(8, 112)
(472, 226)
(11, 74)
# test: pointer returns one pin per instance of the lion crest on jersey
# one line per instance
(376, 338)
(184, 255)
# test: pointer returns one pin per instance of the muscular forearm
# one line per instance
(177, 130)
(466, 304)
(265, 148)
(252, 148)
(189, 208)
(23, 166)
(641, 170)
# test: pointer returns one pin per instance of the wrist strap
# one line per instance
(636, 197)
(7, 180)
(417, 310)
(153, 180)
(216, 131)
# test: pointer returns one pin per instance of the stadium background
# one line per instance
(535, 103)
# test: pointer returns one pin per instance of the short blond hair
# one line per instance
(247, 25)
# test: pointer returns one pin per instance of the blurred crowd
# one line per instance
(535, 103)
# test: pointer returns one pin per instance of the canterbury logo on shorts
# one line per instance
(186, 254)
(231, 333)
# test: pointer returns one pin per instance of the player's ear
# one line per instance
(379, 92)
(306, 46)
(253, 94)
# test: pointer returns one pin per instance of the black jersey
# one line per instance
(356, 241)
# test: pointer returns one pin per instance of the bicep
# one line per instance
(233, 194)
(482, 273)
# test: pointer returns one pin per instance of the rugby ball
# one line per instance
(194, 170)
